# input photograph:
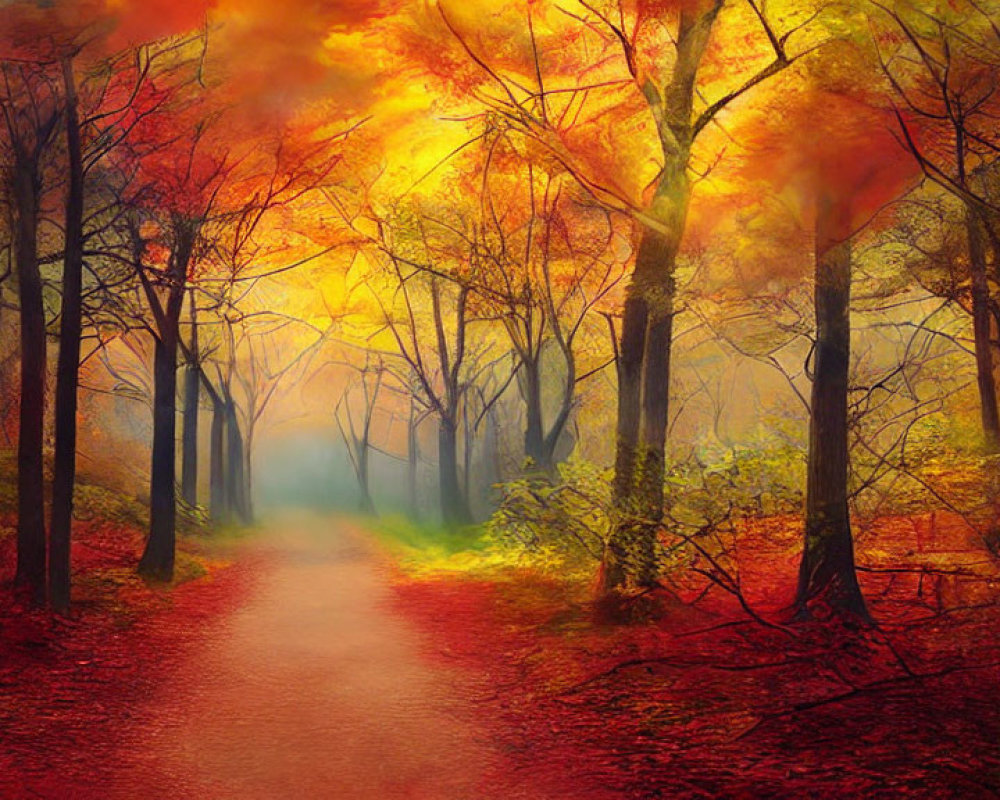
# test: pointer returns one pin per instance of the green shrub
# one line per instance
(567, 520)
(95, 502)
(571, 520)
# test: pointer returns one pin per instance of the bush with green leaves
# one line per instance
(938, 461)
(762, 478)
(573, 518)
(567, 520)
(92, 502)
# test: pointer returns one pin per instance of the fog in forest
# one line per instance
(636, 360)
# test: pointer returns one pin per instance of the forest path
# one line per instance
(312, 689)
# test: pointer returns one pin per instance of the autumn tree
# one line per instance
(849, 171)
(440, 368)
(354, 422)
(424, 294)
(199, 207)
(549, 261)
(661, 61)
(114, 103)
(940, 60)
(827, 571)
(180, 199)
(31, 105)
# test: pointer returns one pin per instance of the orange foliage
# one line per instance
(830, 134)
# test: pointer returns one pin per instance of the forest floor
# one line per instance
(708, 702)
(72, 687)
(282, 668)
(309, 660)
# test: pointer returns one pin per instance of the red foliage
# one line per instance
(136, 22)
(704, 703)
(708, 704)
(69, 686)
(833, 133)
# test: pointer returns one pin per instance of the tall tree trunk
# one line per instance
(981, 331)
(644, 354)
(631, 354)
(626, 551)
(363, 456)
(827, 576)
(158, 558)
(192, 397)
(468, 450)
(654, 282)
(412, 459)
(554, 435)
(218, 497)
(30, 480)
(655, 398)
(534, 432)
(235, 459)
(454, 509)
(248, 476)
(643, 397)
(68, 369)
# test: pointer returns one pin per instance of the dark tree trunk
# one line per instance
(644, 354)
(468, 450)
(412, 459)
(218, 498)
(189, 433)
(631, 352)
(157, 561)
(490, 460)
(981, 331)
(367, 504)
(827, 577)
(655, 396)
(655, 279)
(643, 395)
(541, 443)
(454, 509)
(555, 434)
(68, 369)
(534, 433)
(189, 436)
(652, 461)
(235, 459)
(30, 480)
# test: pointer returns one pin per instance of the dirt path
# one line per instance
(313, 689)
